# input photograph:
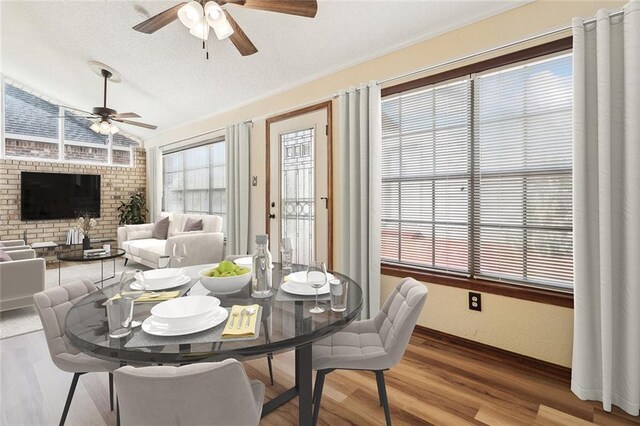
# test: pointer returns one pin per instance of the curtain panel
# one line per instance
(606, 149)
(237, 191)
(361, 188)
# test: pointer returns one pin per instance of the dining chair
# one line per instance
(211, 393)
(375, 344)
(52, 306)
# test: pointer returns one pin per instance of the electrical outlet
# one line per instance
(475, 301)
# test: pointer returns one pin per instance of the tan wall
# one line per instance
(117, 183)
(533, 329)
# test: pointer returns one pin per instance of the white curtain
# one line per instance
(154, 183)
(606, 346)
(237, 166)
(360, 190)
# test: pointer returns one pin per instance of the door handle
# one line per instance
(326, 202)
(272, 215)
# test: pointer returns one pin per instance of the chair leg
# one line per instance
(317, 395)
(382, 394)
(269, 358)
(72, 389)
(111, 391)
(125, 261)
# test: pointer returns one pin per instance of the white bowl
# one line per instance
(183, 311)
(244, 261)
(157, 275)
(224, 285)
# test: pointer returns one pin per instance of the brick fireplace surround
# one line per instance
(118, 183)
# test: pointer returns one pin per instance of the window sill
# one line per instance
(548, 297)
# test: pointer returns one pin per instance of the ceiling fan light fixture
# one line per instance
(213, 11)
(190, 14)
(114, 129)
(218, 21)
(200, 29)
(105, 127)
(95, 126)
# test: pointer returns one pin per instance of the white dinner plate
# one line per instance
(189, 307)
(301, 277)
(162, 285)
(157, 327)
(303, 289)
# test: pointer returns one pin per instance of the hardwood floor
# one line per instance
(434, 384)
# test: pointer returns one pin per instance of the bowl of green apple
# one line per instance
(225, 277)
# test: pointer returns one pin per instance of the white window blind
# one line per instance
(477, 175)
(194, 180)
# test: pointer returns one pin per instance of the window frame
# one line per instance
(60, 141)
(552, 296)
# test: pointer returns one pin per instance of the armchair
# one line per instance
(20, 279)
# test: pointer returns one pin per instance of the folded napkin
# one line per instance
(231, 328)
(153, 297)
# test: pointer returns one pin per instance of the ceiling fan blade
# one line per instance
(136, 123)
(154, 23)
(78, 110)
(307, 8)
(239, 38)
(126, 115)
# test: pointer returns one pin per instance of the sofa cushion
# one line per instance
(4, 256)
(134, 247)
(192, 225)
(138, 232)
(151, 253)
(161, 228)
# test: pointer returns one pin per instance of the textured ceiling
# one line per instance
(46, 46)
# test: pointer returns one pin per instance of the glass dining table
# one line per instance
(286, 324)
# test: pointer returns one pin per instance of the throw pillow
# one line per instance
(160, 229)
(4, 256)
(192, 225)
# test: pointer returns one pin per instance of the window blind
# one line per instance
(522, 141)
(476, 176)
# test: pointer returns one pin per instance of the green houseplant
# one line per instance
(133, 212)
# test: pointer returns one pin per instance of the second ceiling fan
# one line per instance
(201, 15)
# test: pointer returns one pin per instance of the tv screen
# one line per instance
(59, 195)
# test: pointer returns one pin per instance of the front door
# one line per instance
(298, 197)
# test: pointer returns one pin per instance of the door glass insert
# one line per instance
(297, 208)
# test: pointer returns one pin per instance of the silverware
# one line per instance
(242, 314)
(233, 319)
(250, 311)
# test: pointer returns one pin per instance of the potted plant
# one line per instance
(133, 212)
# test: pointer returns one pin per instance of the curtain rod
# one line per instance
(491, 50)
(201, 134)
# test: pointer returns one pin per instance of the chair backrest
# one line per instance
(206, 393)
(397, 318)
(52, 306)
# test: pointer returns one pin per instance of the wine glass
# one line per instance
(179, 252)
(317, 278)
(286, 249)
(132, 286)
(164, 261)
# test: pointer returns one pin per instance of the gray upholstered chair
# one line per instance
(210, 393)
(53, 305)
(375, 345)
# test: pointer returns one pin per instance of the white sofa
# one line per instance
(20, 279)
(206, 246)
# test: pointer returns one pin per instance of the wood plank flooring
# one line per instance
(434, 384)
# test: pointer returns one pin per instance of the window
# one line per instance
(477, 175)
(194, 180)
(34, 130)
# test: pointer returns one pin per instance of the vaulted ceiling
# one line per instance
(46, 46)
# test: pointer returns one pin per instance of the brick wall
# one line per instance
(84, 153)
(117, 184)
(22, 148)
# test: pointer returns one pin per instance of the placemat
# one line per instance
(283, 296)
(212, 335)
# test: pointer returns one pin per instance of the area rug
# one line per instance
(26, 320)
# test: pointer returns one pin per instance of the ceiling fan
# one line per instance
(104, 117)
(200, 15)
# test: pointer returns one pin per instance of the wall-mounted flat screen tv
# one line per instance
(59, 195)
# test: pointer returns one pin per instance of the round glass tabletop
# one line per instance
(79, 256)
(286, 323)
